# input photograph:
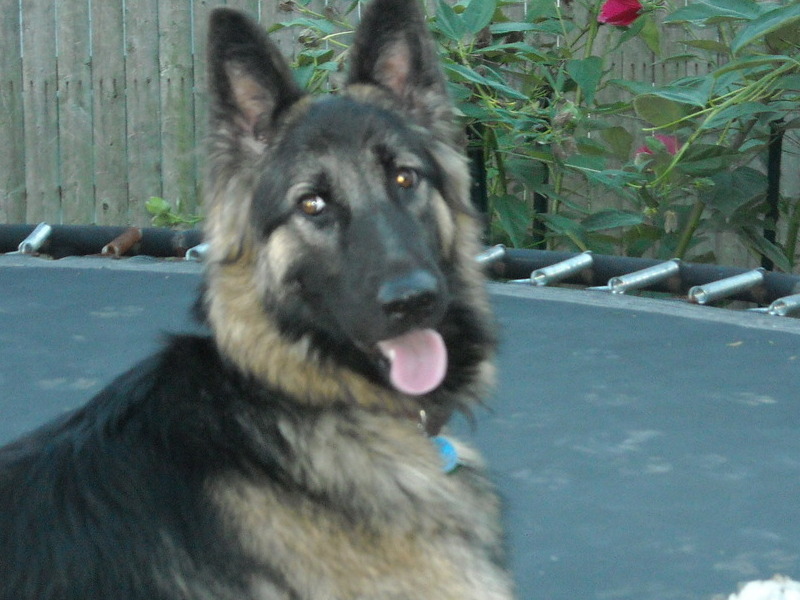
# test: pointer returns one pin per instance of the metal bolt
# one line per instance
(716, 290)
(644, 277)
(197, 253)
(35, 240)
(491, 255)
(785, 306)
(562, 270)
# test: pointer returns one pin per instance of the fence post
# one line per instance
(12, 133)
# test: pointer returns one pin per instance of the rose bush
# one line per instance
(674, 162)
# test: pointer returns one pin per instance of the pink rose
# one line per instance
(620, 12)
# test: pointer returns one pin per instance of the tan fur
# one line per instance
(410, 534)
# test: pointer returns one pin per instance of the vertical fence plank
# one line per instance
(177, 104)
(270, 14)
(41, 111)
(143, 105)
(12, 133)
(75, 111)
(108, 98)
(251, 7)
(202, 9)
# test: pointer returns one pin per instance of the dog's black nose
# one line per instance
(413, 295)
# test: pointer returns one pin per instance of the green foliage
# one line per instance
(164, 215)
(680, 160)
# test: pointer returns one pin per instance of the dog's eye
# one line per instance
(311, 205)
(406, 178)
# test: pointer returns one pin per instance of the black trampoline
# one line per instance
(646, 449)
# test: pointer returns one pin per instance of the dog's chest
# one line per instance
(426, 535)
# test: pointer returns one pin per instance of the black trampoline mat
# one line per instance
(645, 449)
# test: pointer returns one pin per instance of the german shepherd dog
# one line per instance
(293, 454)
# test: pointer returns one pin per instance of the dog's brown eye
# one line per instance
(405, 178)
(312, 205)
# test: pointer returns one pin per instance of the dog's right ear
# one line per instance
(250, 83)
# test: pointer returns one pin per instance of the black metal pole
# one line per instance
(772, 214)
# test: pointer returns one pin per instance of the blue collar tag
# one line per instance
(448, 453)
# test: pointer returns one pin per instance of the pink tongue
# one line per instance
(418, 361)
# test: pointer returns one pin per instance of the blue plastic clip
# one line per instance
(448, 453)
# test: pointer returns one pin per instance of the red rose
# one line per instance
(670, 143)
(620, 12)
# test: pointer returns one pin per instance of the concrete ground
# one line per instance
(645, 449)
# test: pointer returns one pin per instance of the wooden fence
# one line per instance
(102, 104)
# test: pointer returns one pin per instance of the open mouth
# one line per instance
(417, 361)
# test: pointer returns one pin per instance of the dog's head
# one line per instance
(342, 241)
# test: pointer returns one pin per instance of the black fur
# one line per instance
(93, 504)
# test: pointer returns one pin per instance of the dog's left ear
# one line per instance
(394, 49)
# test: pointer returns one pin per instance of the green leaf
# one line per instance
(734, 189)
(448, 22)
(582, 162)
(591, 146)
(660, 111)
(566, 227)
(611, 219)
(737, 111)
(157, 206)
(478, 14)
(630, 32)
(515, 217)
(766, 248)
(618, 140)
(750, 63)
(710, 12)
(587, 74)
(303, 75)
(702, 160)
(783, 39)
(511, 27)
(696, 91)
(634, 87)
(314, 55)
(531, 173)
(519, 47)
(679, 58)
(474, 111)
(783, 17)
(614, 178)
(541, 9)
(708, 45)
(474, 77)
(650, 34)
(641, 239)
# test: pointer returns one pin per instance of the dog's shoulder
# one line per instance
(112, 483)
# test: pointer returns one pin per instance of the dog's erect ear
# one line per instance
(249, 80)
(394, 49)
